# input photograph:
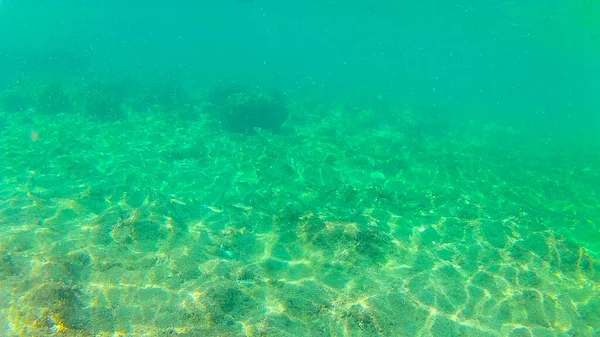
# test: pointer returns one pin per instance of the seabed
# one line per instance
(152, 225)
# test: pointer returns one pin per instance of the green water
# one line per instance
(299, 168)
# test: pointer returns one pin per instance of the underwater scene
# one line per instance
(300, 168)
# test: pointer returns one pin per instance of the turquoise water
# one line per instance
(299, 168)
